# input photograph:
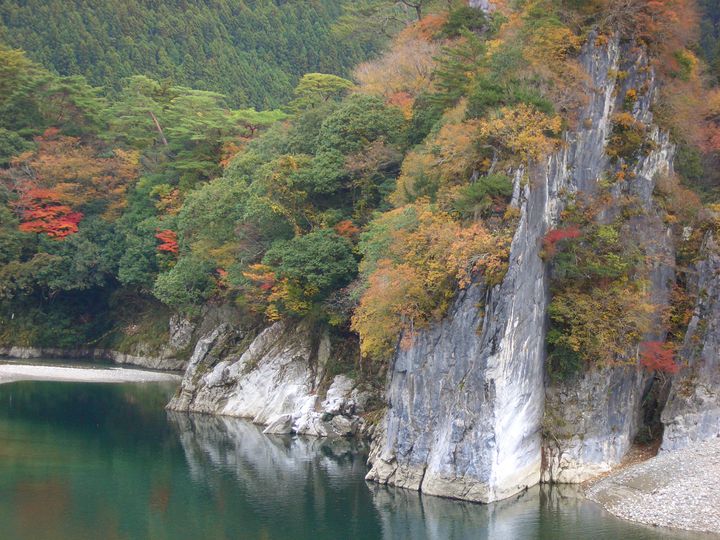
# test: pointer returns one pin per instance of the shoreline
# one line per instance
(677, 490)
(159, 361)
(11, 372)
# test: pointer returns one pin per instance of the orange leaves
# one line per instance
(664, 26)
(262, 276)
(389, 306)
(73, 170)
(347, 229)
(43, 212)
(552, 237)
(168, 241)
(445, 160)
(426, 28)
(229, 150)
(658, 356)
(417, 279)
(401, 73)
(404, 102)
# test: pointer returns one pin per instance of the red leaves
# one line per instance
(658, 356)
(554, 236)
(168, 241)
(347, 229)
(42, 212)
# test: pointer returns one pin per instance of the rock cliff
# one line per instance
(466, 401)
(692, 412)
(278, 378)
(472, 412)
(592, 419)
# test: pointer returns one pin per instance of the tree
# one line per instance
(253, 52)
(168, 241)
(134, 116)
(77, 172)
(359, 121)
(314, 89)
(254, 120)
(42, 212)
(187, 285)
(414, 269)
(405, 70)
(311, 266)
(658, 356)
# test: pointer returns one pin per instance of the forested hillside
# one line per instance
(254, 52)
(365, 203)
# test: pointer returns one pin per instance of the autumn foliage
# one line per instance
(553, 236)
(417, 278)
(168, 241)
(658, 356)
(74, 171)
(42, 211)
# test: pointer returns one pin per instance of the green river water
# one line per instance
(105, 461)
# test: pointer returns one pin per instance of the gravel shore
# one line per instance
(674, 489)
(24, 372)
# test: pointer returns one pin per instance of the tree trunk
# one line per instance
(159, 128)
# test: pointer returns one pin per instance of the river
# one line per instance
(105, 461)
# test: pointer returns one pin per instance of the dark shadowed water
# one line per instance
(100, 461)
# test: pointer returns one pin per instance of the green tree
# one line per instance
(318, 262)
(315, 89)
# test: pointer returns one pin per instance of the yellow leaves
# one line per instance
(552, 44)
(518, 134)
(443, 161)
(604, 323)
(523, 130)
(416, 283)
(406, 68)
(169, 200)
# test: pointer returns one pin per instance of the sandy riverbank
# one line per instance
(674, 489)
(24, 372)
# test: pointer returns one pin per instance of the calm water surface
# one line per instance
(102, 461)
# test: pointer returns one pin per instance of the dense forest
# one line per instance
(253, 52)
(363, 201)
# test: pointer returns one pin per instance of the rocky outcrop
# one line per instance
(277, 380)
(485, 5)
(466, 400)
(692, 412)
(590, 422)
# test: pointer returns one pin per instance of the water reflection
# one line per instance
(81, 461)
(314, 473)
(302, 484)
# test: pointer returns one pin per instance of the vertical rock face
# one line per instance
(466, 400)
(692, 412)
(485, 5)
(592, 419)
(275, 381)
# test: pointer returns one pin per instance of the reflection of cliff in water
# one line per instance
(542, 512)
(315, 487)
(308, 484)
